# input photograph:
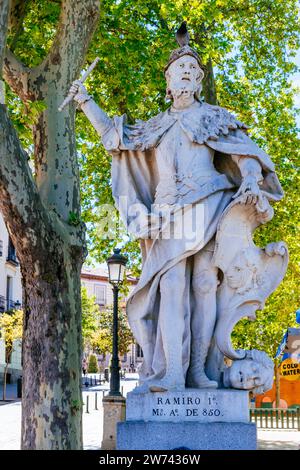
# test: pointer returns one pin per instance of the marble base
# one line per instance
(141, 435)
(201, 406)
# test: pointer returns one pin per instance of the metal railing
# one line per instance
(276, 418)
(92, 381)
(8, 304)
(12, 258)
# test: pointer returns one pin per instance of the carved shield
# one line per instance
(249, 273)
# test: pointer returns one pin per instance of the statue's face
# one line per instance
(246, 374)
(184, 74)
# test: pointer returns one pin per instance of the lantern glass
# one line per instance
(116, 267)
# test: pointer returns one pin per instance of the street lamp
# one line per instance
(116, 270)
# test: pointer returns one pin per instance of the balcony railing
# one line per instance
(12, 258)
(8, 304)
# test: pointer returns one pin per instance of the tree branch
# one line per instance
(56, 164)
(14, 72)
(19, 199)
(4, 13)
(16, 13)
(18, 77)
(76, 26)
(209, 84)
(16, 17)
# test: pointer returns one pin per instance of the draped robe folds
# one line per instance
(135, 178)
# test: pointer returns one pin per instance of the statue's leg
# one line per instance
(171, 322)
(204, 284)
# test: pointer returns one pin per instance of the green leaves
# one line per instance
(90, 312)
(251, 43)
(101, 341)
(11, 327)
(74, 219)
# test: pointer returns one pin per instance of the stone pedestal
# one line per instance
(113, 412)
(194, 419)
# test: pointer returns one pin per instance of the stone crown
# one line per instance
(180, 52)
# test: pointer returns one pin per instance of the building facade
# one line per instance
(10, 297)
(95, 280)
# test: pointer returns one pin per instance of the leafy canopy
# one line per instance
(251, 45)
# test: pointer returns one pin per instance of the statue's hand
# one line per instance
(249, 191)
(79, 92)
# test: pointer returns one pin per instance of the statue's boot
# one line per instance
(196, 374)
(145, 370)
(174, 378)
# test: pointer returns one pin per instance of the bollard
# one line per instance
(19, 387)
(122, 390)
(96, 401)
(87, 404)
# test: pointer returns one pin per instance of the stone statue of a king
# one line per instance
(192, 186)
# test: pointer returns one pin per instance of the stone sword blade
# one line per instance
(84, 76)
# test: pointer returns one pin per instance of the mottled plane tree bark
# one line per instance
(42, 214)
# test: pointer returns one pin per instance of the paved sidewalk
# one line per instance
(10, 417)
(272, 439)
(10, 420)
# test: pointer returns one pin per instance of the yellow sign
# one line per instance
(290, 369)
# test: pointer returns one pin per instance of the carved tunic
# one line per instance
(183, 167)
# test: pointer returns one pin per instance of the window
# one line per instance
(89, 288)
(100, 294)
(2, 304)
(9, 293)
(11, 253)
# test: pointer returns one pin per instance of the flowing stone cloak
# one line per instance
(134, 181)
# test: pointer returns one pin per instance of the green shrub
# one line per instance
(93, 364)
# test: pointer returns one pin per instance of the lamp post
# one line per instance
(116, 270)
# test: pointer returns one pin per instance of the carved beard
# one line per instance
(179, 90)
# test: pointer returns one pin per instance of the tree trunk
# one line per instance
(49, 243)
(209, 90)
(277, 384)
(4, 381)
(51, 417)
(209, 85)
